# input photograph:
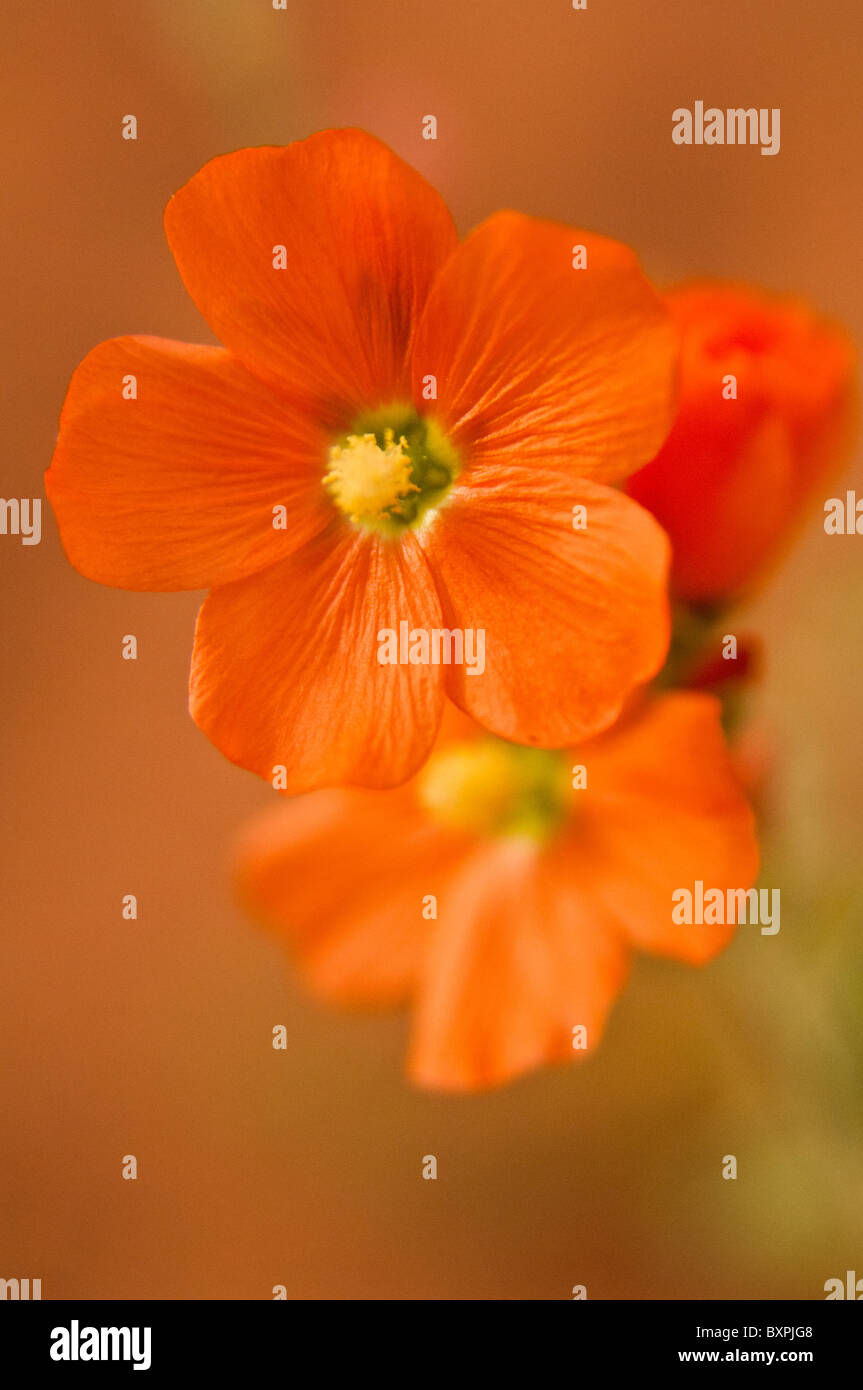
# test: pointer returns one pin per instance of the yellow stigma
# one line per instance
(368, 482)
(490, 787)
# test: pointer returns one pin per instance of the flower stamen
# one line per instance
(391, 470)
(369, 481)
(490, 787)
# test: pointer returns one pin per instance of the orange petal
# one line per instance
(515, 965)
(573, 368)
(364, 235)
(662, 809)
(343, 875)
(175, 489)
(573, 619)
(285, 670)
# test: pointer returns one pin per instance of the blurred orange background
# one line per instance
(153, 1037)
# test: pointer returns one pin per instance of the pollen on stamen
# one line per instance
(367, 481)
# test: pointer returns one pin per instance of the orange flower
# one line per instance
(397, 430)
(736, 473)
(541, 890)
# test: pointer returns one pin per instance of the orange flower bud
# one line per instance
(764, 419)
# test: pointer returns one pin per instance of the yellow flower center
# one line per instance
(367, 481)
(490, 787)
(391, 469)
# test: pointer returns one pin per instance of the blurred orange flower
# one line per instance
(399, 430)
(500, 896)
(765, 414)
